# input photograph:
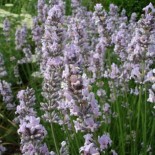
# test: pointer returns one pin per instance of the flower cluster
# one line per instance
(27, 101)
(30, 130)
(90, 146)
(52, 63)
(2, 148)
(6, 92)
(39, 26)
(21, 43)
(32, 134)
(6, 28)
(3, 72)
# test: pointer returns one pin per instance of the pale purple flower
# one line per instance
(37, 31)
(123, 18)
(64, 150)
(42, 10)
(94, 105)
(98, 7)
(101, 92)
(113, 9)
(89, 149)
(20, 37)
(21, 43)
(148, 8)
(114, 73)
(153, 87)
(112, 21)
(27, 101)
(104, 141)
(6, 28)
(88, 138)
(6, 92)
(89, 145)
(31, 129)
(134, 91)
(2, 148)
(75, 4)
(151, 96)
(55, 12)
(106, 108)
(30, 149)
(74, 109)
(136, 74)
(3, 72)
(52, 89)
(27, 96)
(78, 125)
(90, 124)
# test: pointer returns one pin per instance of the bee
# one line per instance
(76, 82)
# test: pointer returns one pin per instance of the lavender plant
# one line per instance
(97, 92)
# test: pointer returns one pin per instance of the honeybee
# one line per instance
(76, 82)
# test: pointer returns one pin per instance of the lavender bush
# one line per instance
(90, 89)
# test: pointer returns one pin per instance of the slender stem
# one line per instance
(121, 142)
(69, 133)
(54, 139)
(144, 123)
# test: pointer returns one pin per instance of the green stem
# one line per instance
(121, 142)
(68, 134)
(138, 119)
(54, 139)
(144, 123)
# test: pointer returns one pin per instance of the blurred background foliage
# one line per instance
(129, 5)
(29, 6)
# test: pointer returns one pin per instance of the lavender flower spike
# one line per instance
(3, 72)
(6, 92)
(6, 28)
(30, 130)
